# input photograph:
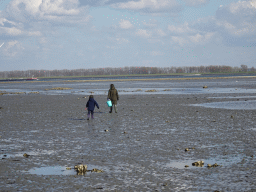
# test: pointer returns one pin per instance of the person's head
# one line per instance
(112, 86)
(91, 96)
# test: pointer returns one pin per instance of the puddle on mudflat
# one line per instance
(233, 97)
(60, 170)
(240, 105)
(32, 153)
(224, 161)
(56, 170)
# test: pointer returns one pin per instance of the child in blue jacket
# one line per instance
(90, 106)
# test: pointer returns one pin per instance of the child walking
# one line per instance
(90, 106)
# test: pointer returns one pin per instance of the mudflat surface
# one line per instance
(140, 148)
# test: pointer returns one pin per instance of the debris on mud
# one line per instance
(26, 155)
(35, 92)
(3, 93)
(205, 87)
(167, 90)
(137, 90)
(58, 88)
(214, 165)
(106, 130)
(96, 170)
(188, 149)
(68, 168)
(198, 163)
(186, 166)
(81, 168)
(232, 116)
(152, 90)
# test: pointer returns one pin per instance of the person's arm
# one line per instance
(117, 96)
(109, 95)
(97, 104)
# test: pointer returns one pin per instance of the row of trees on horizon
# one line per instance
(124, 71)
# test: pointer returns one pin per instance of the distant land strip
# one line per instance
(151, 79)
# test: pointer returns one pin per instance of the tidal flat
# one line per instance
(140, 148)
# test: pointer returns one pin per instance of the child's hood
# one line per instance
(91, 99)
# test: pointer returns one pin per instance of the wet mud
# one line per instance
(144, 147)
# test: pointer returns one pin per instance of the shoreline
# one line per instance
(120, 80)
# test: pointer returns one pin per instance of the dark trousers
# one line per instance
(90, 112)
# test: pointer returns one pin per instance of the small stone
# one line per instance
(186, 166)
(68, 168)
(205, 87)
(232, 116)
(186, 149)
(26, 155)
(209, 165)
(106, 130)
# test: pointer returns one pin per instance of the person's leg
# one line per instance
(88, 115)
(92, 114)
(110, 109)
(115, 108)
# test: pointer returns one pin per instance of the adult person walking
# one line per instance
(113, 96)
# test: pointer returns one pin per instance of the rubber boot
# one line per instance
(110, 110)
(88, 116)
(115, 108)
(92, 116)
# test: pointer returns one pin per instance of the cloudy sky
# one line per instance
(73, 34)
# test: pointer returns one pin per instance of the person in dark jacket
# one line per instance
(113, 96)
(90, 106)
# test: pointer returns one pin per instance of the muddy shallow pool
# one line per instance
(140, 148)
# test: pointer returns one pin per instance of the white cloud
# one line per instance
(237, 19)
(143, 33)
(122, 40)
(156, 53)
(57, 10)
(125, 24)
(152, 23)
(195, 3)
(160, 33)
(181, 29)
(201, 38)
(150, 6)
(253, 3)
(12, 48)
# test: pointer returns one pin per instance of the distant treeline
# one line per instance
(124, 71)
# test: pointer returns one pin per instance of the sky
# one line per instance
(83, 34)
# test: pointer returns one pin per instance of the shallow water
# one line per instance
(239, 105)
